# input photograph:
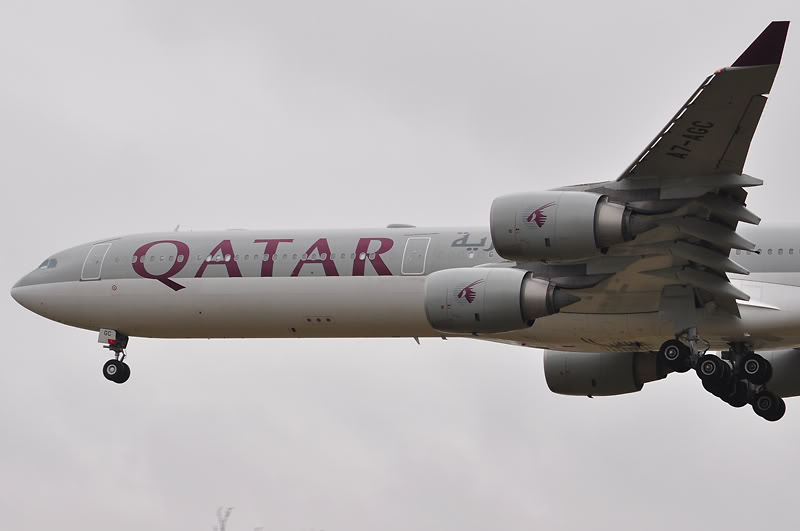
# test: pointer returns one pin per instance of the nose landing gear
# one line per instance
(739, 377)
(115, 370)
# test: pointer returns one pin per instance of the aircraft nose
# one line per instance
(21, 293)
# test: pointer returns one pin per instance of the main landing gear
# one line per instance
(115, 370)
(739, 377)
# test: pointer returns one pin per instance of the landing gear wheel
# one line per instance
(116, 371)
(716, 388)
(756, 369)
(768, 406)
(675, 355)
(714, 371)
(112, 370)
(124, 374)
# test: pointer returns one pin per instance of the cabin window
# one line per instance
(759, 251)
(153, 258)
(134, 259)
(324, 256)
(343, 256)
(748, 252)
(116, 260)
(247, 257)
(305, 256)
(180, 258)
(361, 256)
(372, 256)
(491, 254)
(285, 256)
(791, 251)
(236, 258)
(769, 251)
(294, 256)
(738, 251)
(352, 256)
(227, 258)
(780, 251)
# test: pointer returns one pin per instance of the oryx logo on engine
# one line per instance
(538, 216)
(467, 292)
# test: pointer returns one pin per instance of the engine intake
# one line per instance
(488, 300)
(557, 225)
(600, 373)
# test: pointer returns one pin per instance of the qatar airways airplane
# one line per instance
(621, 282)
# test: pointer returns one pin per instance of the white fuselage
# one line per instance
(360, 300)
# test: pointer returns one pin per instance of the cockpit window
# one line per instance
(50, 263)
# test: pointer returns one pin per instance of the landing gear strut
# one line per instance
(115, 370)
(739, 377)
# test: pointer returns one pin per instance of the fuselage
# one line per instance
(360, 283)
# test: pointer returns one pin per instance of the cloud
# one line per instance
(124, 117)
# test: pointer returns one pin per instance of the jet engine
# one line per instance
(600, 373)
(785, 380)
(557, 225)
(489, 300)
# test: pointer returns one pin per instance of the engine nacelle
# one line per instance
(785, 380)
(489, 299)
(600, 373)
(558, 225)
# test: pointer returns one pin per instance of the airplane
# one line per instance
(620, 282)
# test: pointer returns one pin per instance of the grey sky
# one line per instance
(121, 117)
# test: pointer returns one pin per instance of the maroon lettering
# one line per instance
(226, 250)
(270, 250)
(377, 262)
(320, 245)
(181, 260)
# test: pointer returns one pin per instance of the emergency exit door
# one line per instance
(93, 264)
(414, 256)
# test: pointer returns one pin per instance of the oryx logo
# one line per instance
(467, 292)
(539, 217)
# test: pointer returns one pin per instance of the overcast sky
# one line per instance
(122, 117)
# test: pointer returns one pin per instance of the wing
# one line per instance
(689, 184)
(711, 133)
